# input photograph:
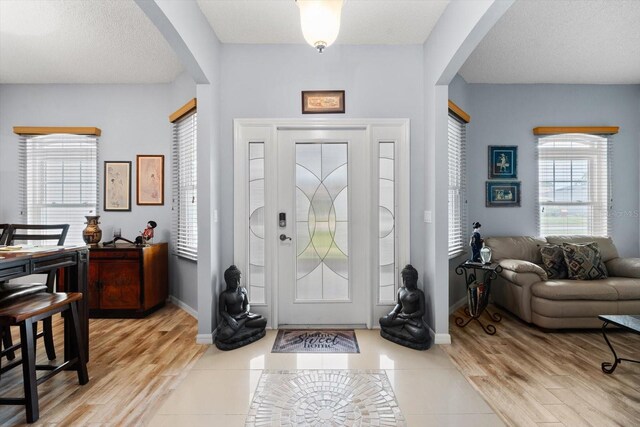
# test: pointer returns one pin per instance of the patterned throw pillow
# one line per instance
(584, 261)
(553, 261)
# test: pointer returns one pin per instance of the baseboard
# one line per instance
(183, 306)
(204, 339)
(458, 304)
(440, 338)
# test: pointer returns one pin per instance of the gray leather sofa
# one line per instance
(523, 288)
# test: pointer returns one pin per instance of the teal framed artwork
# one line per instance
(503, 162)
(503, 194)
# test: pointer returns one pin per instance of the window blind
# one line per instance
(574, 190)
(59, 180)
(457, 186)
(185, 187)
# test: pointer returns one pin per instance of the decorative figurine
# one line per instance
(476, 243)
(147, 234)
(141, 240)
(404, 325)
(238, 327)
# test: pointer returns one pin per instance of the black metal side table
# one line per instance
(627, 322)
(478, 277)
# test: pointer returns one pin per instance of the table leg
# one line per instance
(488, 329)
(607, 367)
(76, 279)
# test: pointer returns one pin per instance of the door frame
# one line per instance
(266, 131)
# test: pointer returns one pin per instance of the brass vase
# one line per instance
(92, 232)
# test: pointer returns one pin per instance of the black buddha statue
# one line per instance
(404, 325)
(238, 327)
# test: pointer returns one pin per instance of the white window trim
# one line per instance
(90, 207)
(600, 193)
(184, 231)
(457, 245)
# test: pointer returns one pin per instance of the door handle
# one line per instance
(284, 237)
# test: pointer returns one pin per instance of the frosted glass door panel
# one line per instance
(387, 241)
(322, 221)
(256, 223)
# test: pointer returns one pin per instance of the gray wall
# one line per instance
(506, 115)
(183, 273)
(265, 81)
(133, 119)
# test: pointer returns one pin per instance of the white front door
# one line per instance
(342, 189)
(324, 188)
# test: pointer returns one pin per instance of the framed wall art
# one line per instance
(503, 162)
(503, 194)
(322, 102)
(117, 186)
(150, 179)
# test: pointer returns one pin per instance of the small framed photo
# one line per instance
(503, 194)
(150, 179)
(503, 162)
(322, 102)
(117, 186)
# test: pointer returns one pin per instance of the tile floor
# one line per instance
(429, 390)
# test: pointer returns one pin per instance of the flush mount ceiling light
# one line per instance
(320, 20)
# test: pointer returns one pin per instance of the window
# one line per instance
(185, 185)
(457, 184)
(59, 180)
(387, 222)
(574, 187)
(256, 224)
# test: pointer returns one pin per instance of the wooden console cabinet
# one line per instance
(127, 280)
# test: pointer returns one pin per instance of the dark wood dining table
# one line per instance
(74, 259)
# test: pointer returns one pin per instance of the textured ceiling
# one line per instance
(362, 21)
(560, 41)
(76, 41)
(112, 41)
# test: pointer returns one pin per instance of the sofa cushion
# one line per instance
(584, 262)
(520, 247)
(605, 244)
(627, 288)
(575, 290)
(521, 279)
(553, 262)
(520, 266)
(624, 267)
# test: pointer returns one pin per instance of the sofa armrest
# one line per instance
(624, 267)
(520, 266)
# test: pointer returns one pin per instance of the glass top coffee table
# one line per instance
(627, 322)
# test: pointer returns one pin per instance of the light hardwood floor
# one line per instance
(134, 364)
(531, 377)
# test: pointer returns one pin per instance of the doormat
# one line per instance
(316, 341)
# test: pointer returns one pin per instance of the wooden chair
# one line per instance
(4, 233)
(17, 233)
(25, 312)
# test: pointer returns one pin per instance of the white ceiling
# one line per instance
(362, 21)
(71, 41)
(112, 41)
(560, 41)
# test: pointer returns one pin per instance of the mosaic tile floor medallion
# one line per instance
(323, 398)
(315, 341)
